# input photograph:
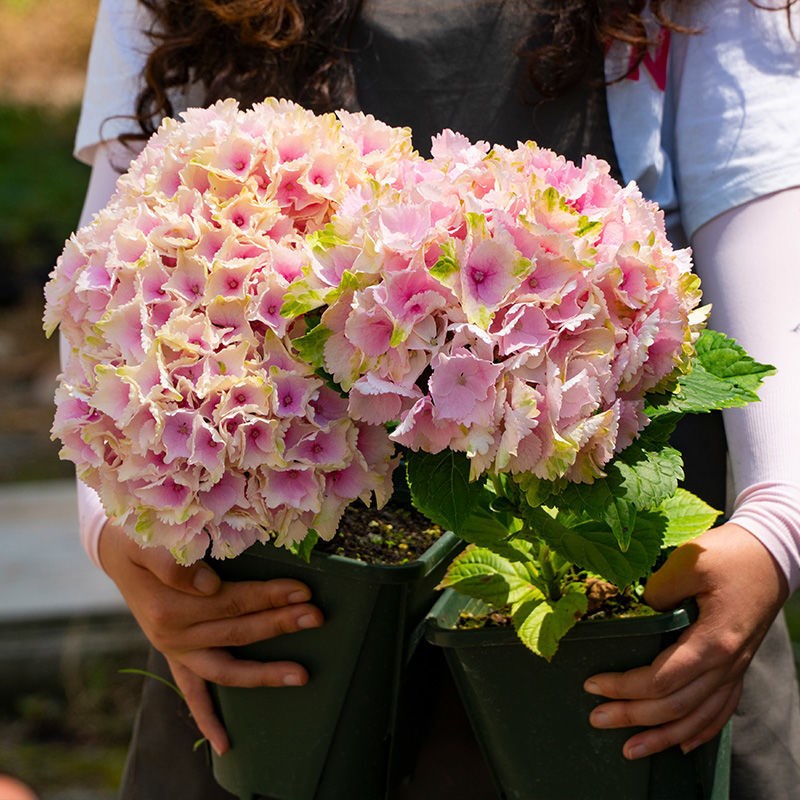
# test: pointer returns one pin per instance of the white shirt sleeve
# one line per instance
(716, 139)
(751, 273)
(733, 97)
(113, 80)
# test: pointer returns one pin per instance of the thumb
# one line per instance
(678, 579)
(197, 579)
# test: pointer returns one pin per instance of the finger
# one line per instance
(711, 730)
(675, 667)
(197, 579)
(678, 578)
(220, 667)
(708, 715)
(237, 599)
(635, 713)
(198, 699)
(250, 628)
(226, 619)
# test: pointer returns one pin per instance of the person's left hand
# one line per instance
(689, 692)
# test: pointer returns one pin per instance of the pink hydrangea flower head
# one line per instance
(269, 288)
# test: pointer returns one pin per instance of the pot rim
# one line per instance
(352, 568)
(440, 624)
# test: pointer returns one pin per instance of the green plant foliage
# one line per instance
(540, 538)
(41, 189)
(305, 546)
(494, 578)
(687, 517)
(723, 376)
(592, 545)
(542, 625)
(441, 489)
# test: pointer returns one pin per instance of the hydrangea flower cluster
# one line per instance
(272, 300)
(507, 304)
(182, 400)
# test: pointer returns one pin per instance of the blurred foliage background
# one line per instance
(65, 716)
(42, 65)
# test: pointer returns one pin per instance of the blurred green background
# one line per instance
(42, 64)
(65, 717)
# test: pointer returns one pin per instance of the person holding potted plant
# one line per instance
(682, 700)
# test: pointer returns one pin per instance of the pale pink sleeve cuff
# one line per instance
(770, 511)
(91, 518)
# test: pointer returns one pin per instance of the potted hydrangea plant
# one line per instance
(548, 594)
(189, 402)
(275, 305)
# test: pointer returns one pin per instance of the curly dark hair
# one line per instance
(247, 49)
(297, 49)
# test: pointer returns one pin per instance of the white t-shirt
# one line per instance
(712, 118)
(707, 123)
(743, 81)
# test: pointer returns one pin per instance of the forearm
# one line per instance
(751, 276)
(92, 518)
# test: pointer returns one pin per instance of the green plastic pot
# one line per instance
(531, 717)
(334, 737)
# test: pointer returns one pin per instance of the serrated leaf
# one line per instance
(303, 548)
(701, 391)
(639, 478)
(723, 376)
(723, 357)
(441, 489)
(485, 575)
(542, 625)
(645, 477)
(687, 517)
(592, 545)
(311, 346)
(299, 298)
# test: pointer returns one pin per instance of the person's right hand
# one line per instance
(191, 616)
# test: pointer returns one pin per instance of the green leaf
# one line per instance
(441, 489)
(636, 480)
(592, 545)
(482, 526)
(645, 477)
(299, 298)
(687, 517)
(537, 490)
(541, 625)
(447, 263)
(311, 346)
(303, 548)
(723, 357)
(723, 375)
(485, 575)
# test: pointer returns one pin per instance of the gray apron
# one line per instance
(434, 64)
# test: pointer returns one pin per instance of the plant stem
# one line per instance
(550, 571)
